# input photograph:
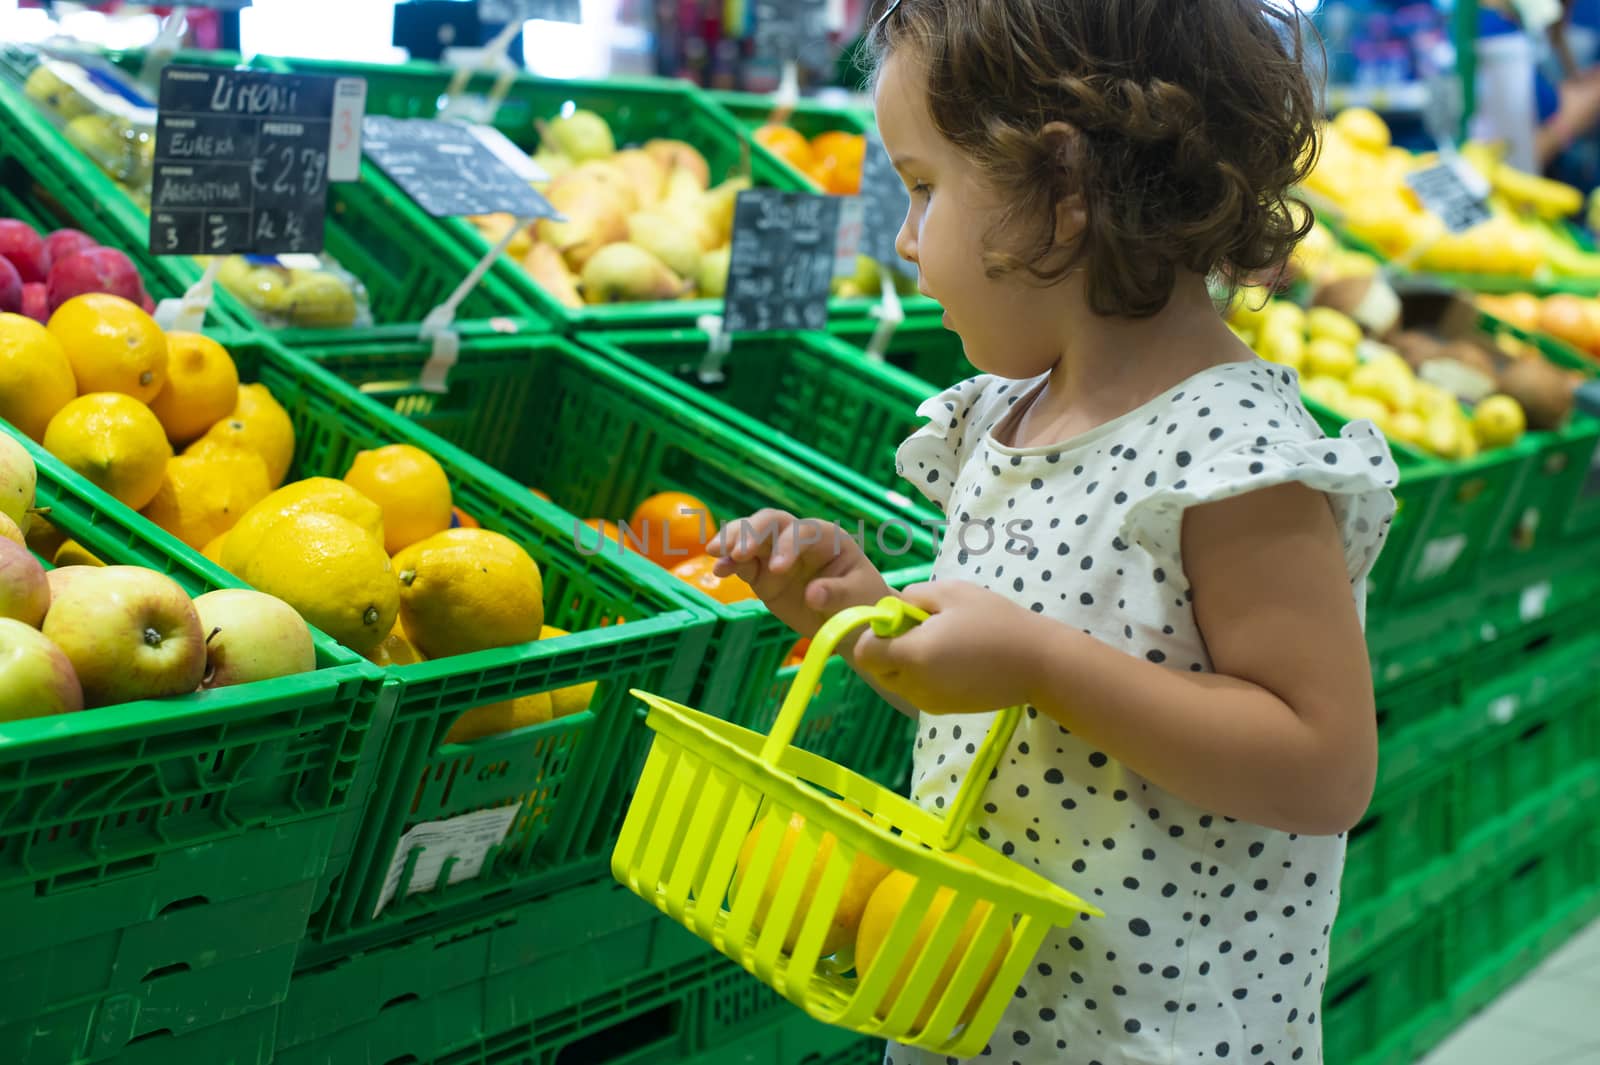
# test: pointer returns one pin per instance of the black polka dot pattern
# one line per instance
(1217, 931)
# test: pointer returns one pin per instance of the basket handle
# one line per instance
(889, 618)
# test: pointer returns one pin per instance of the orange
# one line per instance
(201, 390)
(866, 873)
(787, 144)
(257, 423)
(410, 486)
(113, 345)
(115, 442)
(887, 902)
(609, 531)
(542, 495)
(797, 653)
(839, 161)
(203, 496)
(496, 718)
(697, 572)
(460, 519)
(35, 377)
(674, 527)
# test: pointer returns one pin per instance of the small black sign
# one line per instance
(792, 30)
(241, 162)
(1461, 202)
(447, 170)
(884, 206)
(500, 12)
(782, 261)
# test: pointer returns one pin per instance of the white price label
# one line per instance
(1503, 709)
(1535, 601)
(344, 148)
(467, 839)
(1440, 555)
(849, 246)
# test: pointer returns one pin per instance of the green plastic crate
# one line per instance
(795, 1039)
(638, 110)
(576, 425)
(810, 118)
(569, 778)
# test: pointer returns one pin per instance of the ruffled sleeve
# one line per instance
(932, 457)
(1355, 470)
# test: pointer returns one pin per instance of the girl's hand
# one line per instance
(805, 571)
(972, 656)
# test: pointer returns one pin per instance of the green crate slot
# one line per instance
(792, 1040)
(519, 404)
(1388, 989)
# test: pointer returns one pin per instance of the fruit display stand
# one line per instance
(580, 427)
(160, 860)
(402, 261)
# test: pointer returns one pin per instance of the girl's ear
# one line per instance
(1064, 142)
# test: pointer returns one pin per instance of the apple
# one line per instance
(24, 591)
(252, 636)
(22, 244)
(36, 301)
(97, 270)
(9, 531)
(18, 478)
(131, 633)
(65, 243)
(59, 578)
(36, 677)
(10, 288)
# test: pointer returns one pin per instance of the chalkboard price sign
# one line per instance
(782, 261)
(884, 205)
(241, 162)
(448, 170)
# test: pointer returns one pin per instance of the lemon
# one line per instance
(1364, 408)
(1249, 310)
(315, 495)
(115, 442)
(1328, 391)
(1281, 314)
(1364, 128)
(332, 571)
(1329, 358)
(213, 550)
(72, 553)
(202, 387)
(203, 496)
(257, 423)
(1408, 427)
(113, 345)
(1325, 323)
(1391, 385)
(573, 700)
(395, 650)
(410, 486)
(466, 590)
(1499, 421)
(35, 377)
(1284, 345)
(496, 718)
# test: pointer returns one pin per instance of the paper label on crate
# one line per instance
(1454, 192)
(349, 108)
(848, 243)
(1535, 601)
(466, 839)
(1441, 554)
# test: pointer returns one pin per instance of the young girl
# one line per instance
(1150, 544)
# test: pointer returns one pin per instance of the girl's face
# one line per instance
(1009, 326)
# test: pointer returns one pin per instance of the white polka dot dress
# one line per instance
(1215, 943)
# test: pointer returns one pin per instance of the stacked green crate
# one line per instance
(160, 860)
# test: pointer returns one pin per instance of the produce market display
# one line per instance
(323, 620)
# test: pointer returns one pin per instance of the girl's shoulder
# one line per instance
(956, 419)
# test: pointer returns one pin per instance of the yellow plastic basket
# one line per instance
(963, 932)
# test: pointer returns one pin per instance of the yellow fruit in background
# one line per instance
(1432, 399)
(332, 571)
(1364, 128)
(466, 590)
(1364, 408)
(395, 650)
(9, 531)
(1283, 345)
(1249, 309)
(115, 442)
(497, 718)
(1328, 391)
(113, 345)
(203, 496)
(257, 423)
(1329, 358)
(1443, 435)
(410, 487)
(573, 700)
(213, 550)
(1499, 421)
(72, 553)
(35, 377)
(1408, 427)
(1325, 323)
(1389, 384)
(202, 387)
(1280, 314)
(314, 495)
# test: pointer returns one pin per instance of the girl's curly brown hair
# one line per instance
(1194, 120)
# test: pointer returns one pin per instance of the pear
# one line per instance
(581, 136)
(603, 177)
(18, 481)
(713, 276)
(674, 240)
(648, 177)
(552, 162)
(549, 271)
(594, 219)
(677, 155)
(626, 273)
(493, 228)
(717, 207)
(682, 191)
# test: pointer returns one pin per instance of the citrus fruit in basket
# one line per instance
(887, 902)
(496, 718)
(258, 423)
(112, 344)
(114, 441)
(698, 572)
(573, 700)
(410, 487)
(395, 650)
(467, 590)
(675, 527)
(787, 144)
(318, 495)
(202, 387)
(866, 873)
(36, 379)
(329, 569)
(213, 550)
(203, 496)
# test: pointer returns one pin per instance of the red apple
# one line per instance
(252, 636)
(36, 301)
(20, 243)
(24, 591)
(65, 243)
(10, 288)
(36, 677)
(97, 270)
(130, 633)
